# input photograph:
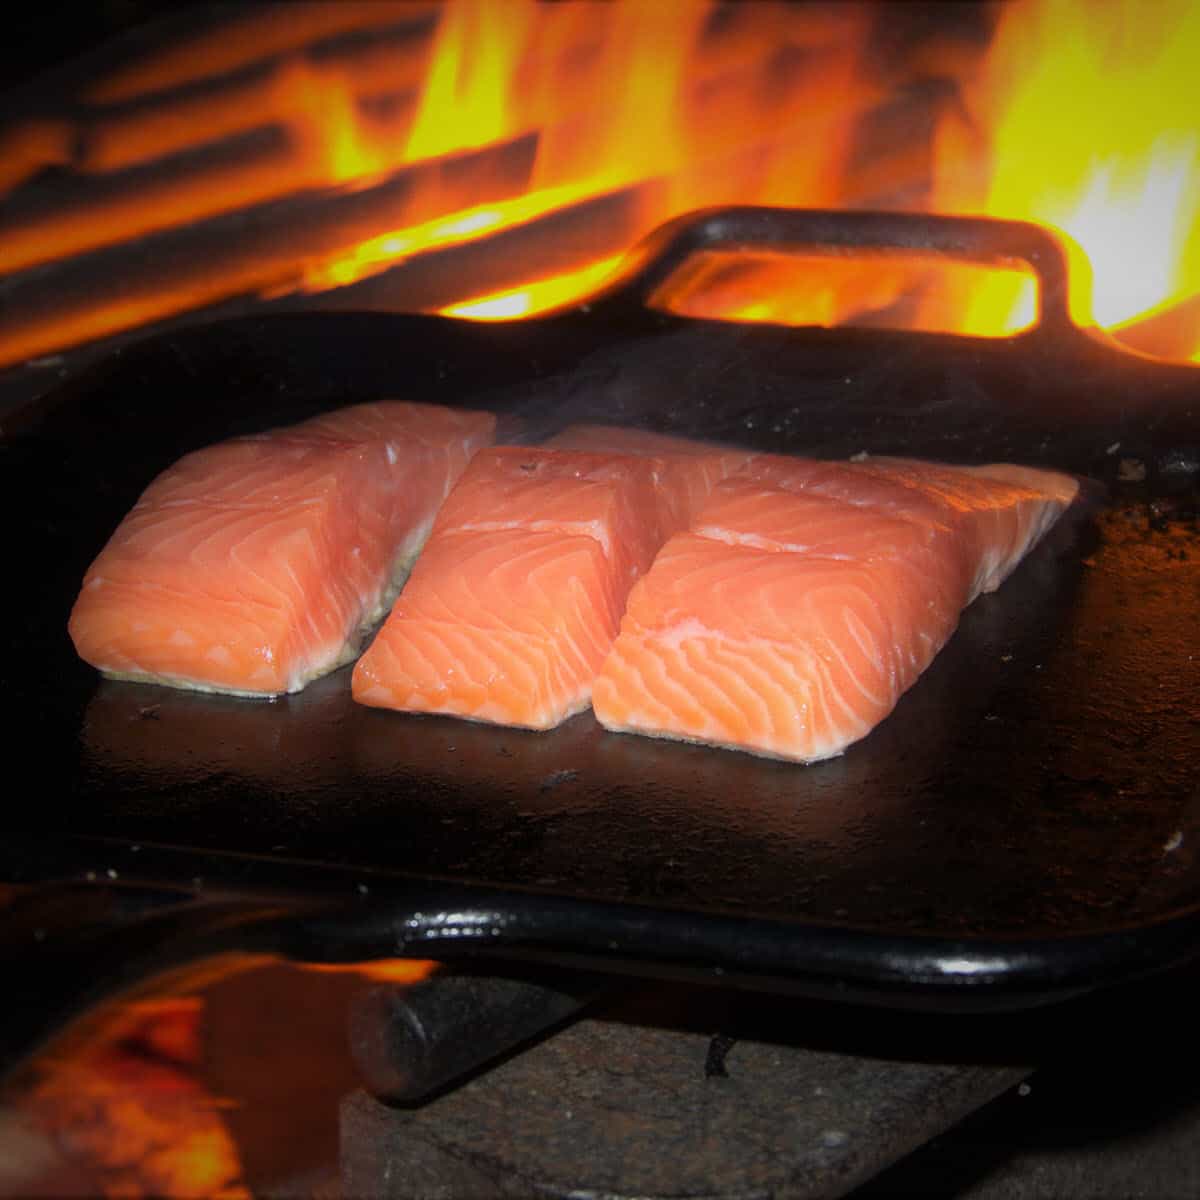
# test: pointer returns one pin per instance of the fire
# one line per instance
(496, 159)
(623, 101)
(466, 97)
(540, 296)
(577, 128)
(126, 1105)
(121, 1094)
(398, 971)
(887, 291)
(1091, 120)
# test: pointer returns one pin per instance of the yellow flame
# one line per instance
(465, 102)
(825, 290)
(389, 249)
(539, 297)
(1093, 120)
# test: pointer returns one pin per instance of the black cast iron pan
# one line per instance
(1023, 827)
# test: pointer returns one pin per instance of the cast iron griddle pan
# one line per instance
(1023, 827)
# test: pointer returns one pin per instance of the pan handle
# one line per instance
(830, 232)
(409, 1043)
(70, 946)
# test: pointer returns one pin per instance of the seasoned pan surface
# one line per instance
(1039, 782)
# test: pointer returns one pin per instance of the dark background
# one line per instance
(41, 34)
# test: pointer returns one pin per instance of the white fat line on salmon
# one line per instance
(593, 529)
(754, 541)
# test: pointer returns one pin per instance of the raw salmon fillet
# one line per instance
(253, 566)
(517, 598)
(686, 470)
(808, 596)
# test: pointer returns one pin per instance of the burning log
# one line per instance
(335, 116)
(72, 217)
(27, 148)
(332, 239)
(260, 248)
(563, 241)
(211, 86)
(391, 63)
(291, 132)
(248, 38)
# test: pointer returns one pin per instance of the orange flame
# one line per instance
(398, 971)
(395, 132)
(127, 1107)
(121, 1093)
(1091, 120)
(538, 296)
(665, 107)
(649, 107)
(887, 291)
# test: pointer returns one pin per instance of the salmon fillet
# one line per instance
(808, 596)
(686, 471)
(253, 566)
(517, 598)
